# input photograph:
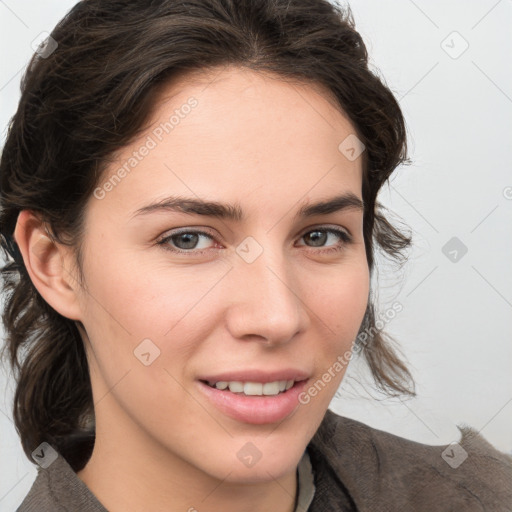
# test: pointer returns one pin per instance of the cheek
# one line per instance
(133, 309)
(340, 305)
(340, 300)
(139, 298)
(352, 302)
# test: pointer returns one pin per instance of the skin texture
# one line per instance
(271, 146)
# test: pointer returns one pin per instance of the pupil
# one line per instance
(322, 237)
(189, 238)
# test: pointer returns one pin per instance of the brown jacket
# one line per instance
(371, 470)
(356, 468)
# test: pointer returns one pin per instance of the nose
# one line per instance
(265, 302)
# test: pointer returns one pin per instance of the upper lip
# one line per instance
(255, 375)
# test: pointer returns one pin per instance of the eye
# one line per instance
(320, 236)
(186, 241)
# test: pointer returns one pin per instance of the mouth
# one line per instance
(253, 402)
(249, 388)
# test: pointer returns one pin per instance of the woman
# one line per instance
(189, 198)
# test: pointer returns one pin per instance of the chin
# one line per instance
(260, 460)
(262, 471)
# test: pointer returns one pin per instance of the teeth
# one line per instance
(254, 388)
(270, 388)
(236, 387)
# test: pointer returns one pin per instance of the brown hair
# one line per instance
(93, 94)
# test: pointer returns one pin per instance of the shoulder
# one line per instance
(382, 471)
(58, 488)
(39, 497)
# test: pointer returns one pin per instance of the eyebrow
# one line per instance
(234, 212)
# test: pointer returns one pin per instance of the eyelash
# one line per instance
(343, 235)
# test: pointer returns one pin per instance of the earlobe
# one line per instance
(47, 263)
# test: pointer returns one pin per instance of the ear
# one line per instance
(48, 264)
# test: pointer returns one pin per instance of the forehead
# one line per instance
(235, 133)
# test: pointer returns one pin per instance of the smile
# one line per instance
(254, 388)
(252, 402)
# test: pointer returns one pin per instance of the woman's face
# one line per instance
(255, 291)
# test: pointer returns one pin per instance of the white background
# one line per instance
(456, 324)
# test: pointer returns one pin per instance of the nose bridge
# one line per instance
(266, 302)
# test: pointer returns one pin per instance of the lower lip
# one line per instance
(258, 410)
